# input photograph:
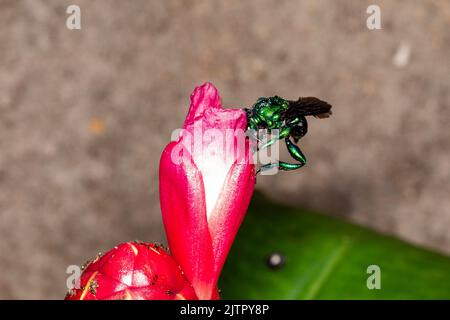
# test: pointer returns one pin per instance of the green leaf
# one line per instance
(325, 258)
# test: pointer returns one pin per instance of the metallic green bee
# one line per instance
(289, 118)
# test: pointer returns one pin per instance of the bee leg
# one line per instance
(265, 145)
(295, 153)
(284, 166)
(253, 137)
(268, 143)
(285, 131)
(266, 167)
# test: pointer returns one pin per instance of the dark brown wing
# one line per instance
(308, 106)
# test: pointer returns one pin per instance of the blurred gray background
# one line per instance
(85, 114)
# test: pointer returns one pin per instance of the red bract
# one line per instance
(133, 271)
(206, 182)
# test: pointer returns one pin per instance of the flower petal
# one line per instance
(230, 210)
(210, 136)
(203, 98)
(183, 207)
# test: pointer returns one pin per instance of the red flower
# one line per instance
(133, 271)
(206, 181)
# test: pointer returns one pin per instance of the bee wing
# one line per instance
(308, 106)
(323, 115)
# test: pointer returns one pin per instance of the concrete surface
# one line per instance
(84, 116)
